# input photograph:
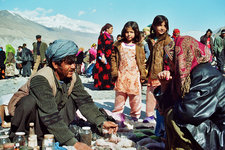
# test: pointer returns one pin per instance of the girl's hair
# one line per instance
(209, 30)
(158, 20)
(135, 27)
(105, 27)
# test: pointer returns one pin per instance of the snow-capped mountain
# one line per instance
(16, 30)
(61, 21)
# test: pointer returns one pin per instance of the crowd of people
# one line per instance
(185, 93)
(22, 59)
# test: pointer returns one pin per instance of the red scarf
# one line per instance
(188, 53)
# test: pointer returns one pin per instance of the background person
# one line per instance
(27, 59)
(102, 73)
(18, 56)
(79, 60)
(10, 61)
(176, 33)
(207, 40)
(92, 60)
(2, 64)
(219, 49)
(39, 49)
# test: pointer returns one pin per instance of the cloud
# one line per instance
(81, 13)
(93, 11)
(31, 14)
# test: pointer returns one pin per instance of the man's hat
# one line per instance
(38, 36)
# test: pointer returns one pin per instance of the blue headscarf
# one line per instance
(60, 49)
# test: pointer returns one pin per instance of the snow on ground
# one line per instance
(102, 98)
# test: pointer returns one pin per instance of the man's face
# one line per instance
(39, 39)
(223, 35)
(65, 70)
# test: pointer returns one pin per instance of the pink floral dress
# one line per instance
(128, 80)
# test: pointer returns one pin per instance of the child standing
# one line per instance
(128, 69)
(157, 41)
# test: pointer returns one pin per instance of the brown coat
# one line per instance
(140, 59)
(155, 61)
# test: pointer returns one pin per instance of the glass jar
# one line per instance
(4, 139)
(48, 142)
(86, 135)
(19, 140)
(8, 146)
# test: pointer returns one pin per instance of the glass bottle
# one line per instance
(19, 140)
(86, 135)
(48, 142)
(31, 130)
(4, 139)
(32, 140)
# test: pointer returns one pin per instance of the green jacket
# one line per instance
(219, 44)
(43, 48)
(49, 105)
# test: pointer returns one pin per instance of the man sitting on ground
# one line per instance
(51, 97)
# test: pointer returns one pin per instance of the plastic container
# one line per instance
(48, 142)
(19, 140)
(86, 135)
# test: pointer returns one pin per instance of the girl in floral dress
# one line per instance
(128, 69)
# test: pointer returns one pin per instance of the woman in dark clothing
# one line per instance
(79, 60)
(102, 73)
(2, 65)
(192, 98)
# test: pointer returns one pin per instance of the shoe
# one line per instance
(150, 119)
(134, 119)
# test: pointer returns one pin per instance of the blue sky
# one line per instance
(187, 15)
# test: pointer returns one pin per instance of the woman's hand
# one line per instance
(103, 59)
(164, 78)
(81, 146)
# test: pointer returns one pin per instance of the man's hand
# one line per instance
(81, 146)
(110, 126)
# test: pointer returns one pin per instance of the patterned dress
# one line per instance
(128, 80)
(102, 71)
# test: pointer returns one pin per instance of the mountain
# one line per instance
(16, 30)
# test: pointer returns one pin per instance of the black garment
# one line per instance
(38, 48)
(2, 59)
(80, 58)
(26, 55)
(26, 69)
(202, 110)
(220, 56)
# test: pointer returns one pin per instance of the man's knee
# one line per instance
(26, 104)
